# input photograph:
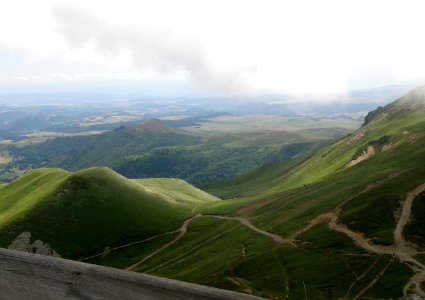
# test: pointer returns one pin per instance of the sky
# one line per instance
(219, 47)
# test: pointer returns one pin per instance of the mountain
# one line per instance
(397, 127)
(82, 213)
(156, 125)
(343, 222)
(354, 207)
(153, 149)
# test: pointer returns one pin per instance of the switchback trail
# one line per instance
(399, 241)
(336, 211)
(400, 249)
(245, 222)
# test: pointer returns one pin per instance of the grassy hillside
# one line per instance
(394, 127)
(298, 201)
(79, 214)
(176, 190)
(343, 222)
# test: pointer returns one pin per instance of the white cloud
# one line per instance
(236, 46)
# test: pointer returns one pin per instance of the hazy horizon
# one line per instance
(210, 49)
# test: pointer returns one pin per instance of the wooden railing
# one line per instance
(31, 276)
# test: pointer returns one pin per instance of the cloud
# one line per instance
(151, 49)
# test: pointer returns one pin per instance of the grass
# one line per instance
(420, 257)
(391, 283)
(322, 240)
(414, 229)
(138, 152)
(79, 214)
(29, 189)
(176, 190)
(124, 257)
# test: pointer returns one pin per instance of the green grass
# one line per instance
(176, 190)
(22, 195)
(414, 230)
(391, 284)
(420, 257)
(321, 239)
(79, 214)
(124, 257)
(136, 152)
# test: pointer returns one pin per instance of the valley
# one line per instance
(154, 149)
(326, 219)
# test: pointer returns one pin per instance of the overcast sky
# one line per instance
(231, 47)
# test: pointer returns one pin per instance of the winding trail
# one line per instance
(181, 232)
(359, 239)
(337, 210)
(400, 249)
(399, 240)
(314, 222)
(277, 238)
(183, 229)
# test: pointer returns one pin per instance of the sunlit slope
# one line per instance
(387, 131)
(320, 183)
(22, 195)
(300, 203)
(176, 190)
(79, 214)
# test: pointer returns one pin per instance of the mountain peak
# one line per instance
(156, 125)
(411, 102)
(152, 125)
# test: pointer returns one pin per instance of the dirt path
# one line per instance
(334, 213)
(181, 232)
(359, 239)
(415, 282)
(316, 221)
(277, 238)
(183, 229)
(401, 249)
(399, 240)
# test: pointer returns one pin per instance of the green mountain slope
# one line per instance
(176, 190)
(337, 220)
(344, 222)
(153, 149)
(393, 127)
(79, 214)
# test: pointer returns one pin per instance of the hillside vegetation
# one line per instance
(343, 222)
(79, 214)
(153, 149)
(339, 227)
